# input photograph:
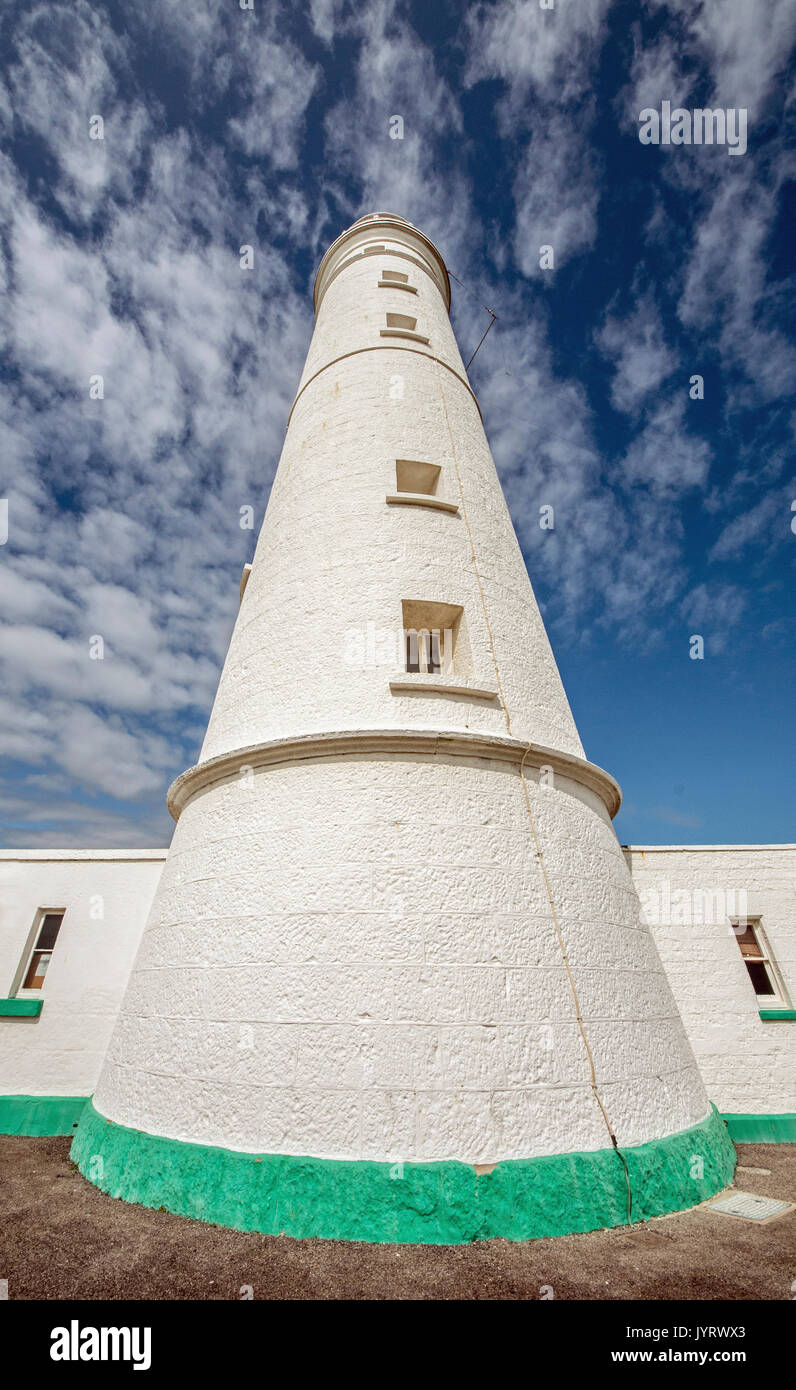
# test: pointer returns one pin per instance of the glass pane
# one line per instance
(759, 976)
(434, 659)
(748, 942)
(37, 970)
(412, 651)
(49, 931)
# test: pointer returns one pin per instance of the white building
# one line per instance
(70, 925)
(395, 982)
(724, 922)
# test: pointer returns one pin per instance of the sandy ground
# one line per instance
(61, 1238)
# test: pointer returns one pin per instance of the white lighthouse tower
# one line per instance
(394, 984)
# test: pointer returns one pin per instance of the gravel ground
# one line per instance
(61, 1238)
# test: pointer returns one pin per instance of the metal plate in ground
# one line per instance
(751, 1207)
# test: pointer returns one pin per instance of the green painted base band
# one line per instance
(425, 1203)
(762, 1129)
(40, 1114)
(16, 1008)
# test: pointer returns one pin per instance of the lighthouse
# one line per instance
(395, 984)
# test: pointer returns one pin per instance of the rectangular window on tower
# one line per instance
(44, 939)
(402, 326)
(396, 280)
(757, 959)
(416, 485)
(415, 477)
(425, 648)
(435, 643)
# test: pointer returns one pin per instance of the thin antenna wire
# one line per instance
(483, 306)
(494, 317)
(535, 433)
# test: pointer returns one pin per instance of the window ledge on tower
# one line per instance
(423, 684)
(244, 579)
(403, 333)
(777, 1015)
(420, 499)
(396, 285)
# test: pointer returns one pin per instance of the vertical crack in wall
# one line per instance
(529, 809)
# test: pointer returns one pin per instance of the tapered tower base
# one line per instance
(447, 1203)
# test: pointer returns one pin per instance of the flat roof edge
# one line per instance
(687, 849)
(25, 855)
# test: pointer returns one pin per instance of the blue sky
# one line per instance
(270, 127)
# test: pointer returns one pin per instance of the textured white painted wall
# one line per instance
(61, 1051)
(749, 1066)
(355, 957)
(333, 556)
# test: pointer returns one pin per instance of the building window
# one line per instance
(41, 954)
(411, 476)
(435, 642)
(424, 650)
(402, 325)
(396, 280)
(757, 959)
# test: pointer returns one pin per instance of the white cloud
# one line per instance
(764, 525)
(277, 85)
(67, 70)
(613, 559)
(637, 346)
(743, 46)
(724, 55)
(556, 192)
(417, 176)
(123, 513)
(666, 456)
(547, 61)
(712, 611)
(535, 50)
(725, 290)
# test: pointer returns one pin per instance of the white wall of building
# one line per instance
(60, 1052)
(748, 1064)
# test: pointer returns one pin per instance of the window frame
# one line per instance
(779, 999)
(19, 989)
(440, 639)
(430, 648)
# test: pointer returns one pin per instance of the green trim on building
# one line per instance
(12, 1008)
(762, 1129)
(774, 1015)
(425, 1203)
(40, 1114)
